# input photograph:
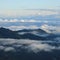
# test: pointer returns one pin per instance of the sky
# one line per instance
(17, 7)
(29, 4)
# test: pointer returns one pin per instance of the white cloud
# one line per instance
(17, 20)
(51, 29)
(30, 45)
(17, 27)
(36, 47)
(8, 49)
(46, 28)
(16, 13)
(23, 27)
(14, 20)
(48, 12)
(11, 20)
(34, 21)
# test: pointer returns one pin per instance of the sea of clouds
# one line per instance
(14, 45)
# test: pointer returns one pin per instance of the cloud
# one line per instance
(48, 12)
(8, 49)
(22, 21)
(23, 27)
(30, 45)
(35, 47)
(2, 47)
(31, 20)
(15, 13)
(17, 20)
(46, 28)
(51, 28)
(17, 27)
(11, 20)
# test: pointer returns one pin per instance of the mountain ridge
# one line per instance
(33, 34)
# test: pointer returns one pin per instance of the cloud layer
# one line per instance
(12, 45)
(16, 13)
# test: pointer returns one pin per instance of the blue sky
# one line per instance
(29, 4)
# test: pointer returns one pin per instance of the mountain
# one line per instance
(6, 33)
(37, 32)
(33, 34)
